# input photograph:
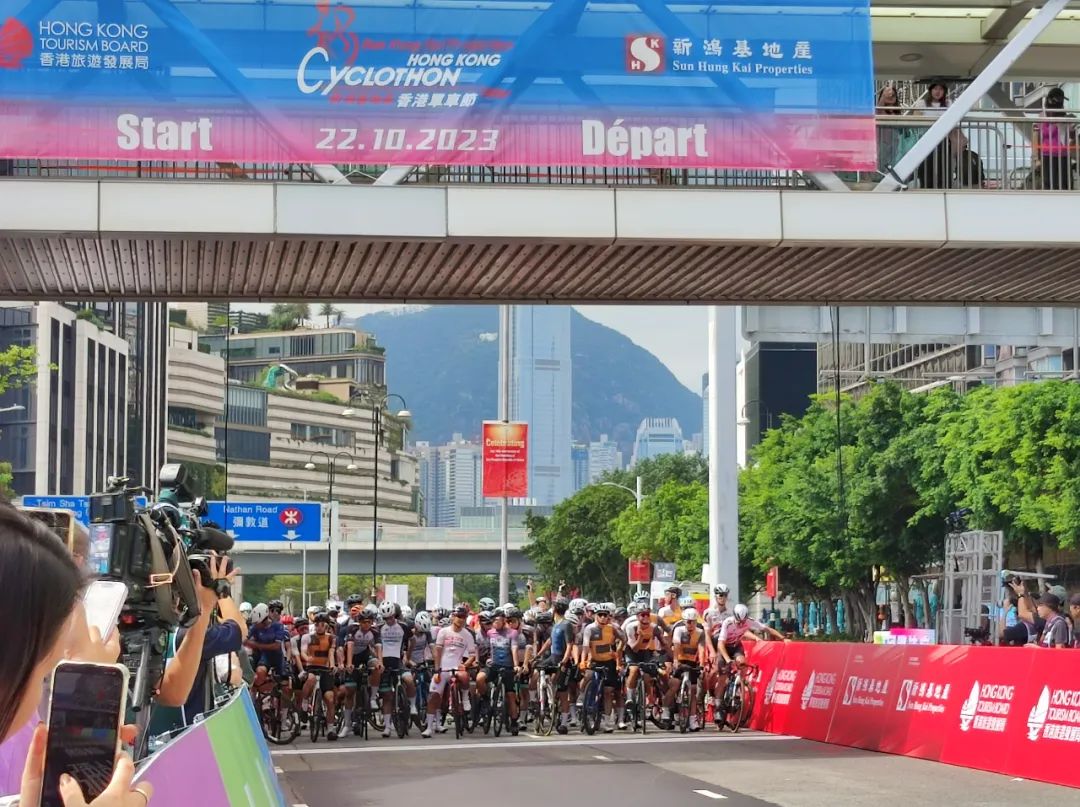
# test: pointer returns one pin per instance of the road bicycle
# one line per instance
(592, 701)
(643, 705)
(401, 708)
(422, 676)
(278, 715)
(737, 702)
(546, 702)
(316, 709)
(683, 701)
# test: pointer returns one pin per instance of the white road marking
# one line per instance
(1018, 779)
(710, 794)
(470, 746)
(601, 757)
(278, 770)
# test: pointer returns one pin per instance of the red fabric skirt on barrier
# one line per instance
(1014, 711)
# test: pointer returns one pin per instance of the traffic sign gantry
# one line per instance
(269, 521)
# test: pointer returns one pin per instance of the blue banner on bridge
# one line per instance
(766, 83)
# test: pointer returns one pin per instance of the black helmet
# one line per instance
(353, 599)
(322, 616)
(621, 613)
(513, 612)
(486, 617)
(545, 618)
(276, 605)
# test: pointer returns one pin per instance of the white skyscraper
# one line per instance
(540, 382)
(604, 456)
(656, 436)
(450, 479)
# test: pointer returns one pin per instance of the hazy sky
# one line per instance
(674, 334)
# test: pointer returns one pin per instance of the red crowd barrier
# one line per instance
(1014, 711)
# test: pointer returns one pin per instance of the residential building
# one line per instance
(450, 480)
(604, 456)
(70, 434)
(327, 352)
(252, 442)
(540, 395)
(431, 478)
(579, 457)
(657, 436)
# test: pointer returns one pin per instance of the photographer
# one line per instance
(186, 680)
(40, 583)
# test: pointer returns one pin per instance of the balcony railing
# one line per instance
(988, 150)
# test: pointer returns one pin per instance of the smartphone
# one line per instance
(104, 600)
(86, 711)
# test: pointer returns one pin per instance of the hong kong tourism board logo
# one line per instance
(16, 43)
(645, 53)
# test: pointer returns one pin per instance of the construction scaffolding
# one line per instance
(972, 584)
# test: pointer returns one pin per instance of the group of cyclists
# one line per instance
(561, 662)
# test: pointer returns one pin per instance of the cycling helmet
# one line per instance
(459, 606)
(721, 588)
(506, 606)
(461, 611)
(444, 623)
(741, 612)
(608, 606)
(689, 615)
(545, 618)
(486, 604)
(601, 609)
(642, 597)
(686, 602)
(423, 621)
(633, 608)
(301, 624)
(440, 613)
(276, 605)
(245, 608)
(287, 619)
(487, 617)
(621, 613)
(354, 599)
(387, 609)
(573, 619)
(530, 616)
(512, 612)
(323, 617)
(259, 613)
(592, 606)
(371, 611)
(577, 610)
(577, 602)
(406, 612)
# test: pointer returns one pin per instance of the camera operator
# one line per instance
(187, 681)
(41, 583)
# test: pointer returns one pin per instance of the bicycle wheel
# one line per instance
(402, 712)
(545, 705)
(498, 706)
(458, 710)
(733, 703)
(684, 704)
(641, 710)
(316, 718)
(747, 710)
(420, 718)
(593, 695)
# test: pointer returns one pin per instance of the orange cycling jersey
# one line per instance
(602, 643)
(674, 616)
(646, 632)
(688, 650)
(319, 650)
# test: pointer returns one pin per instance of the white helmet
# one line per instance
(423, 621)
(609, 607)
(387, 609)
(632, 609)
(721, 588)
(689, 615)
(486, 604)
(577, 602)
(245, 608)
(741, 612)
(406, 612)
(259, 613)
(573, 619)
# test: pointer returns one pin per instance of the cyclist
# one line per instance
(715, 614)
(734, 628)
(360, 661)
(505, 662)
(317, 653)
(687, 639)
(455, 652)
(420, 645)
(671, 612)
(643, 645)
(526, 636)
(485, 604)
(393, 642)
(266, 640)
(601, 644)
(277, 608)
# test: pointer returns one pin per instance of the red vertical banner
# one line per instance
(772, 582)
(506, 460)
(640, 571)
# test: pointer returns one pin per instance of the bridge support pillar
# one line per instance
(723, 459)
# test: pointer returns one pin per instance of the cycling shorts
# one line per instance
(688, 667)
(635, 657)
(361, 672)
(273, 660)
(734, 650)
(443, 685)
(391, 666)
(509, 677)
(326, 678)
(608, 672)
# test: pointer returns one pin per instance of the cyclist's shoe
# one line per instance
(441, 728)
(303, 718)
(345, 730)
(413, 710)
(667, 724)
(386, 731)
(514, 729)
(609, 724)
(623, 725)
(562, 728)
(694, 723)
(375, 703)
(331, 735)
(426, 733)
(466, 704)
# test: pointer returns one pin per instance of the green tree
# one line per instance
(330, 312)
(18, 367)
(672, 525)
(288, 316)
(655, 471)
(575, 543)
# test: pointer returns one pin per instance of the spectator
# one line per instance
(40, 582)
(1055, 632)
(936, 170)
(1027, 611)
(888, 102)
(1013, 631)
(891, 138)
(1054, 143)
(1074, 615)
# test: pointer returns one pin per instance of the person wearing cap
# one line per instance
(1056, 632)
(1055, 144)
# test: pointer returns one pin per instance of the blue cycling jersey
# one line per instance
(561, 636)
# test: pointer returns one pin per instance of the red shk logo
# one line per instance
(645, 53)
(291, 517)
(16, 43)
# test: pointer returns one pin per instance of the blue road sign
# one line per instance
(80, 505)
(269, 521)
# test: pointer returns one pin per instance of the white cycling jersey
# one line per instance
(457, 645)
(731, 631)
(714, 618)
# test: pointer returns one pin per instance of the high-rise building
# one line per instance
(450, 480)
(579, 457)
(540, 390)
(430, 473)
(66, 432)
(604, 456)
(656, 436)
(145, 327)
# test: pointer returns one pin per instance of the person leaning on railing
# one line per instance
(1055, 143)
(41, 593)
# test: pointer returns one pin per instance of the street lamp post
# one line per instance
(638, 497)
(331, 473)
(377, 407)
(744, 421)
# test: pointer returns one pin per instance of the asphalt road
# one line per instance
(623, 770)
